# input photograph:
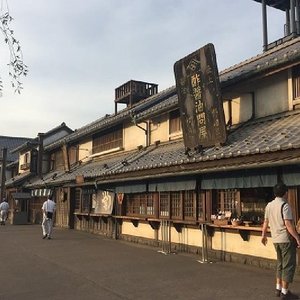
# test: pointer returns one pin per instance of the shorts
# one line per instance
(286, 261)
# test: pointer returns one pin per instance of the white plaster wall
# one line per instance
(134, 136)
(271, 95)
(232, 242)
(85, 149)
(187, 236)
(241, 109)
(142, 230)
(160, 129)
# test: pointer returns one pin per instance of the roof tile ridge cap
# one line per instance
(261, 55)
(13, 137)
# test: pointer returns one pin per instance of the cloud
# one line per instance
(78, 51)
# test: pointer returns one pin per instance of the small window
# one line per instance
(87, 195)
(73, 154)
(296, 82)
(57, 161)
(108, 140)
(174, 122)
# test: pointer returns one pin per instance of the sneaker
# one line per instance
(49, 237)
(277, 293)
(289, 295)
(44, 236)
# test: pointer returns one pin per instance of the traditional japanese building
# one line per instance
(129, 175)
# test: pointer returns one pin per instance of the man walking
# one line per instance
(48, 209)
(4, 207)
(278, 215)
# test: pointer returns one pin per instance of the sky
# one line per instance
(79, 51)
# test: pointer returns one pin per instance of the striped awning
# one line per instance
(40, 192)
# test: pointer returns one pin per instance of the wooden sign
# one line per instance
(199, 98)
(79, 179)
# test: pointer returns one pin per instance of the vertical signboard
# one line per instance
(199, 98)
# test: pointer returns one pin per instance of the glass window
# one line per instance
(253, 203)
(164, 204)
(139, 204)
(228, 200)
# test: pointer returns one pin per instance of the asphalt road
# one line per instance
(78, 265)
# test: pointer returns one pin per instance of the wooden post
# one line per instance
(265, 26)
(3, 170)
(40, 155)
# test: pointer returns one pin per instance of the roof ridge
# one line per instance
(261, 55)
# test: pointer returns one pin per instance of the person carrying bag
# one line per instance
(48, 209)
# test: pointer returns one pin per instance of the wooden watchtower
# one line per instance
(292, 23)
(134, 91)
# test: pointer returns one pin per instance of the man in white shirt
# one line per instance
(48, 209)
(278, 215)
(4, 207)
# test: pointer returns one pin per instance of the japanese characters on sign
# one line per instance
(199, 98)
(103, 202)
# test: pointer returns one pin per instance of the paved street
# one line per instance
(78, 265)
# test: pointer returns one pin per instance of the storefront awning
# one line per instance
(241, 179)
(131, 188)
(172, 185)
(291, 175)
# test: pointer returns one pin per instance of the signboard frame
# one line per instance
(199, 99)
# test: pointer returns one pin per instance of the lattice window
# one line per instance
(150, 205)
(108, 140)
(164, 204)
(139, 204)
(228, 200)
(189, 204)
(296, 82)
(87, 200)
(174, 122)
(73, 154)
(200, 206)
(77, 200)
(176, 205)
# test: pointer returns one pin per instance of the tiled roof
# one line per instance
(167, 99)
(11, 143)
(110, 120)
(18, 179)
(54, 134)
(283, 54)
(264, 136)
(92, 169)
(267, 135)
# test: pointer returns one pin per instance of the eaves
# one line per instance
(270, 160)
